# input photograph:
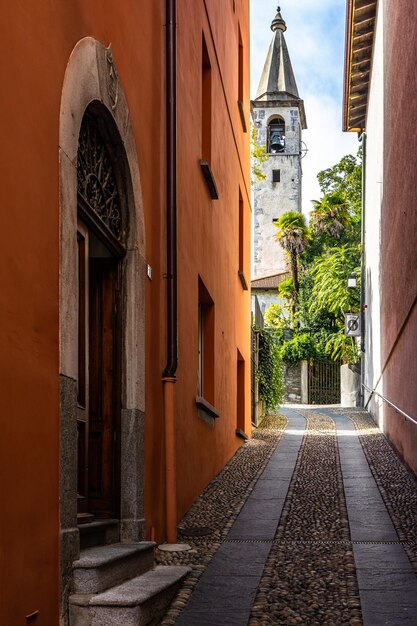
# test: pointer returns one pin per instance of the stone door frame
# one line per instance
(91, 76)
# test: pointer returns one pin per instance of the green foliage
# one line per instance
(330, 292)
(275, 316)
(322, 256)
(292, 231)
(330, 215)
(345, 178)
(342, 348)
(286, 289)
(302, 346)
(292, 235)
(269, 373)
(258, 156)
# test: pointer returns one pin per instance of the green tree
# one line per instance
(293, 237)
(330, 292)
(329, 251)
(330, 215)
(345, 178)
(275, 316)
(331, 295)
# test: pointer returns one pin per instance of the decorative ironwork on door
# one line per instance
(96, 179)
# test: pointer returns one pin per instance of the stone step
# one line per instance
(103, 567)
(137, 602)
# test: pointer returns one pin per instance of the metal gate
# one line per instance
(323, 382)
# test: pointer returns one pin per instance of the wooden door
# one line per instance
(99, 374)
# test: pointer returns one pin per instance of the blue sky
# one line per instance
(315, 38)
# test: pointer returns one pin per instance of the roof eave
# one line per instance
(360, 27)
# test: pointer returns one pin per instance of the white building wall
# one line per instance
(266, 298)
(271, 200)
(373, 198)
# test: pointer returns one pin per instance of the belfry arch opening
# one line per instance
(276, 135)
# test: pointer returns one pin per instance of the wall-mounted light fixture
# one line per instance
(351, 281)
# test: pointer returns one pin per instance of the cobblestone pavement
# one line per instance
(310, 569)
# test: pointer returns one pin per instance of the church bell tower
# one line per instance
(279, 118)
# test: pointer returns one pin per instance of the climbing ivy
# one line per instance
(269, 373)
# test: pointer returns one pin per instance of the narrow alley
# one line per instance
(325, 534)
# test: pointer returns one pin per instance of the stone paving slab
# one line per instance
(227, 589)
(387, 582)
(388, 608)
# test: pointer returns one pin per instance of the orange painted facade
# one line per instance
(36, 44)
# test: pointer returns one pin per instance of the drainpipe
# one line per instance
(363, 260)
(169, 373)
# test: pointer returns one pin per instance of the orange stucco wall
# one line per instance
(35, 45)
(208, 238)
(208, 233)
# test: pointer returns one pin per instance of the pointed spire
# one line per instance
(277, 78)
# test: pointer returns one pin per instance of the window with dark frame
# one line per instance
(241, 243)
(205, 344)
(206, 104)
(276, 176)
(240, 96)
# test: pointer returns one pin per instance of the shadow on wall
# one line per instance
(371, 403)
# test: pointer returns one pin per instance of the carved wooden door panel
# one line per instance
(104, 387)
(99, 405)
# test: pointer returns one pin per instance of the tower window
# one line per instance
(276, 176)
(276, 136)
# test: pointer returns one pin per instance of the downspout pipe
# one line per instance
(171, 188)
(169, 373)
(363, 261)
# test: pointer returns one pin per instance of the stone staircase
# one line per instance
(119, 585)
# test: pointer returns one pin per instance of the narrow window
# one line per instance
(205, 344)
(206, 104)
(240, 95)
(276, 176)
(240, 66)
(241, 268)
(276, 136)
(241, 233)
(206, 122)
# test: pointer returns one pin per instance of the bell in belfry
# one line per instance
(277, 142)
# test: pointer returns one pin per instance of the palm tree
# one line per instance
(330, 214)
(292, 236)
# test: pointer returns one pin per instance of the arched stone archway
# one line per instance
(91, 83)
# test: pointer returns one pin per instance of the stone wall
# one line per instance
(292, 382)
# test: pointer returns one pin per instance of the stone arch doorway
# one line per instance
(102, 313)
